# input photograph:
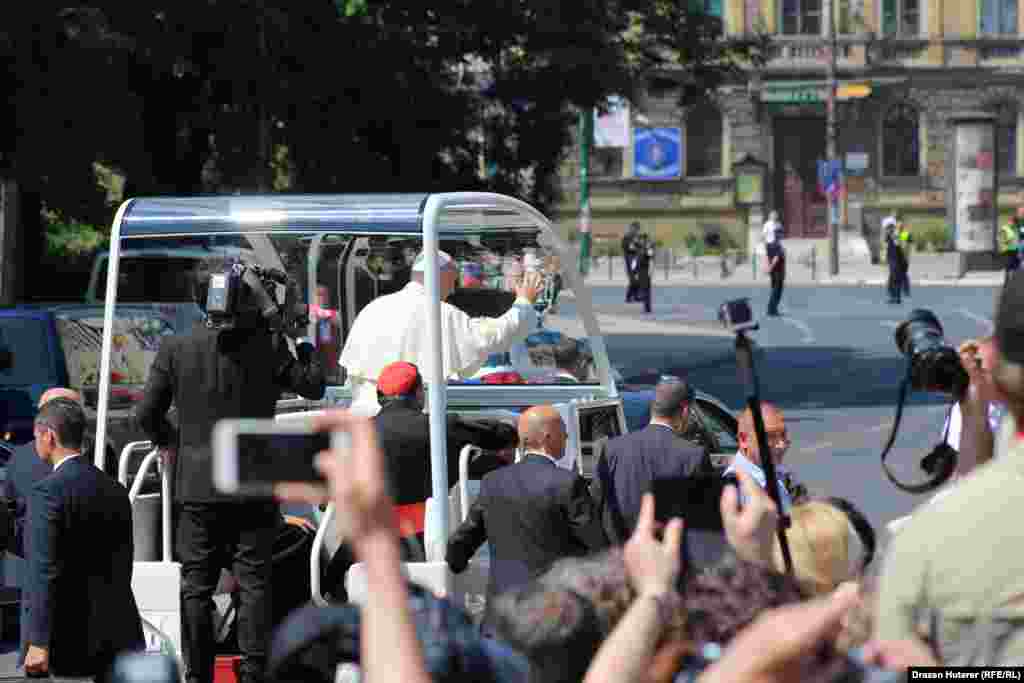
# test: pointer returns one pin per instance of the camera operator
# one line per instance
(234, 367)
(972, 532)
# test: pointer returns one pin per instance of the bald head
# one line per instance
(541, 430)
(774, 427)
(60, 392)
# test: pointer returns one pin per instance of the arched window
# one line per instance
(1006, 138)
(900, 144)
(703, 151)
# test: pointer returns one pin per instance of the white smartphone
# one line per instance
(251, 456)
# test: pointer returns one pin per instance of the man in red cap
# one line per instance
(403, 431)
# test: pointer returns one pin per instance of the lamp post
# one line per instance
(830, 132)
(586, 140)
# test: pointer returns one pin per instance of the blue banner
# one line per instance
(657, 153)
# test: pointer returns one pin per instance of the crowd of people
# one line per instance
(662, 567)
(607, 581)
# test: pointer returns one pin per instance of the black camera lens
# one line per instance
(934, 366)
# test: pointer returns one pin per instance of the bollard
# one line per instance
(725, 266)
(695, 275)
(814, 264)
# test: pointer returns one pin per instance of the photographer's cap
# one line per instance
(398, 379)
(1010, 320)
(445, 262)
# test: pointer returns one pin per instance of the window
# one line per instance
(901, 17)
(900, 145)
(997, 17)
(1006, 137)
(801, 17)
(704, 141)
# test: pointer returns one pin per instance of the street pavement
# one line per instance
(830, 363)
(801, 270)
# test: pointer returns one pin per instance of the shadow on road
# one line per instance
(796, 377)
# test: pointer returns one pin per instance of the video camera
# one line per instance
(243, 293)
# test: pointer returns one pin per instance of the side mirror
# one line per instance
(6, 359)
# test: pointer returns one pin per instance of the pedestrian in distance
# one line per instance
(629, 256)
(776, 267)
(897, 263)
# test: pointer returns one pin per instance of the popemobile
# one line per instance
(340, 252)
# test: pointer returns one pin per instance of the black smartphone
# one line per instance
(697, 500)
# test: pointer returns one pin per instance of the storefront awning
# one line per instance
(811, 92)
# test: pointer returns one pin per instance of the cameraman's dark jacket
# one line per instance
(210, 376)
(404, 434)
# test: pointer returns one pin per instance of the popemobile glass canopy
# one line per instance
(340, 252)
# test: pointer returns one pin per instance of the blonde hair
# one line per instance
(825, 548)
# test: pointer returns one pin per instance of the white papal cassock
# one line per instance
(394, 327)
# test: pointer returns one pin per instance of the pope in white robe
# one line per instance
(394, 328)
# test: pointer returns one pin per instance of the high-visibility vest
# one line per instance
(1008, 237)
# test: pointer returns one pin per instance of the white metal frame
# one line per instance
(433, 212)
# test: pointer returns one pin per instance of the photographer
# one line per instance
(238, 371)
(971, 532)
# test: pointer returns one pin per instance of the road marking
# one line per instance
(803, 327)
(980, 319)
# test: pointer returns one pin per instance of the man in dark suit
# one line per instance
(24, 470)
(632, 463)
(210, 375)
(532, 512)
(81, 611)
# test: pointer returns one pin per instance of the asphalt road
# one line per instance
(830, 363)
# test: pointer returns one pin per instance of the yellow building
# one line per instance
(904, 67)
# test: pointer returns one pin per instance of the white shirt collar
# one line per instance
(73, 455)
(541, 455)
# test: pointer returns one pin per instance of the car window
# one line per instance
(721, 426)
(33, 364)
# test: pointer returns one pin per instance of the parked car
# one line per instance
(59, 345)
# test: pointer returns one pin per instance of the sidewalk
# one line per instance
(925, 270)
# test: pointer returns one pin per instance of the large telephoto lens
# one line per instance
(934, 366)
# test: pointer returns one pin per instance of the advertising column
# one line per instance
(975, 183)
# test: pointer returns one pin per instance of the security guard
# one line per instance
(896, 259)
(1011, 241)
(906, 241)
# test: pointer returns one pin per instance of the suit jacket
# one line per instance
(211, 376)
(81, 603)
(23, 471)
(404, 437)
(628, 469)
(532, 513)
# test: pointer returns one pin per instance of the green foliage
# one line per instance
(932, 235)
(72, 238)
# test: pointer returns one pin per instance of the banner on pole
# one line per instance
(612, 128)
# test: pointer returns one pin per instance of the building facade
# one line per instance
(904, 68)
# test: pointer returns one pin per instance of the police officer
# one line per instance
(1011, 242)
(906, 241)
(644, 255)
(775, 264)
(629, 247)
(237, 371)
(897, 263)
